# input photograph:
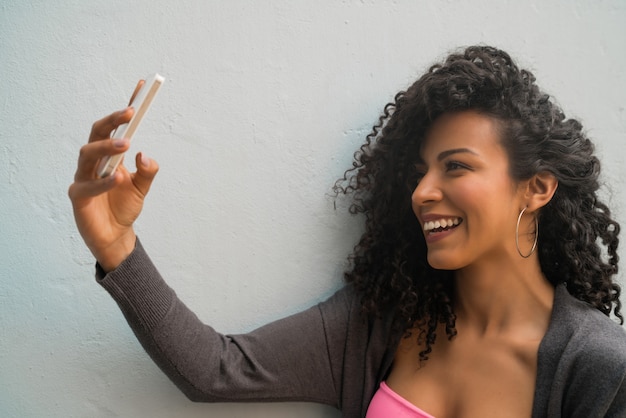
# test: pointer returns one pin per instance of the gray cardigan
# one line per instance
(331, 354)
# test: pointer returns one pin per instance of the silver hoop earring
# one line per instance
(532, 250)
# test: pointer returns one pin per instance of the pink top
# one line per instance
(387, 403)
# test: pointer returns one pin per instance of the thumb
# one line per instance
(147, 168)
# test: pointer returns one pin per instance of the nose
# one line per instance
(427, 191)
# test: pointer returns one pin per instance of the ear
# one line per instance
(539, 190)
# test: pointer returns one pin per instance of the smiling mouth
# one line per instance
(441, 225)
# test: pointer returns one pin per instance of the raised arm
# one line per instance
(298, 358)
(328, 354)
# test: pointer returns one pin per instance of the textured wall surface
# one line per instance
(264, 103)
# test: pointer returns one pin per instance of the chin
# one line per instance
(443, 263)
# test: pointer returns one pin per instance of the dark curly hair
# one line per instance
(578, 239)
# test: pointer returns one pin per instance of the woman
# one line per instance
(482, 285)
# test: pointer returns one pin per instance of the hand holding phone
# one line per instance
(141, 103)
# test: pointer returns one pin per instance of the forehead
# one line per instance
(468, 129)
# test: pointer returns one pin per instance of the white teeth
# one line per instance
(441, 223)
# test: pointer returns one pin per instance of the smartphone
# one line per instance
(141, 103)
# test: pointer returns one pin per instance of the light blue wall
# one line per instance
(263, 106)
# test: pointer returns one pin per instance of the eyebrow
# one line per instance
(449, 152)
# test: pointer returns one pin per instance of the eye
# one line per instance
(418, 172)
(453, 165)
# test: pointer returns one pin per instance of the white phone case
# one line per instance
(141, 103)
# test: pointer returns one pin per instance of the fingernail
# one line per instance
(119, 143)
(145, 161)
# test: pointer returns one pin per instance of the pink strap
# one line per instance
(387, 403)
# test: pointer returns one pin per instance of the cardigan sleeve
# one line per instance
(617, 408)
(299, 358)
(596, 375)
(582, 363)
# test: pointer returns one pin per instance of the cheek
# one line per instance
(470, 194)
(485, 202)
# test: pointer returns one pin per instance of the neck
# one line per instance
(504, 296)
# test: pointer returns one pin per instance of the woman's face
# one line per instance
(466, 201)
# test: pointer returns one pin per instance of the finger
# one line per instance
(86, 189)
(91, 153)
(102, 128)
(140, 84)
(147, 169)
